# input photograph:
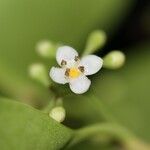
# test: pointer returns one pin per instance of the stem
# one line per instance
(103, 111)
(49, 106)
(54, 99)
(112, 130)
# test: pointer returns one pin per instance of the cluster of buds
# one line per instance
(74, 69)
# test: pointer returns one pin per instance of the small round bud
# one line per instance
(46, 48)
(95, 41)
(58, 113)
(114, 60)
(38, 72)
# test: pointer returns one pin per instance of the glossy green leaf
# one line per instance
(25, 128)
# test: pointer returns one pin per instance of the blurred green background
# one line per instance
(120, 96)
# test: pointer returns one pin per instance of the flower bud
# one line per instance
(38, 72)
(114, 60)
(95, 41)
(46, 49)
(58, 113)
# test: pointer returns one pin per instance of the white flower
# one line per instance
(73, 70)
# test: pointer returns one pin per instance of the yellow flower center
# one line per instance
(74, 72)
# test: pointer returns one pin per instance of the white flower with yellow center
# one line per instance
(73, 70)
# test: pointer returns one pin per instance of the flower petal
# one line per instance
(91, 63)
(80, 85)
(65, 53)
(58, 75)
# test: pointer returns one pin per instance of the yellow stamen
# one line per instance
(74, 72)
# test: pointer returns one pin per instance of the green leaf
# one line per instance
(95, 41)
(93, 145)
(25, 128)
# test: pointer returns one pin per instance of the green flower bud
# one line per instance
(58, 113)
(114, 60)
(46, 49)
(38, 72)
(95, 41)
